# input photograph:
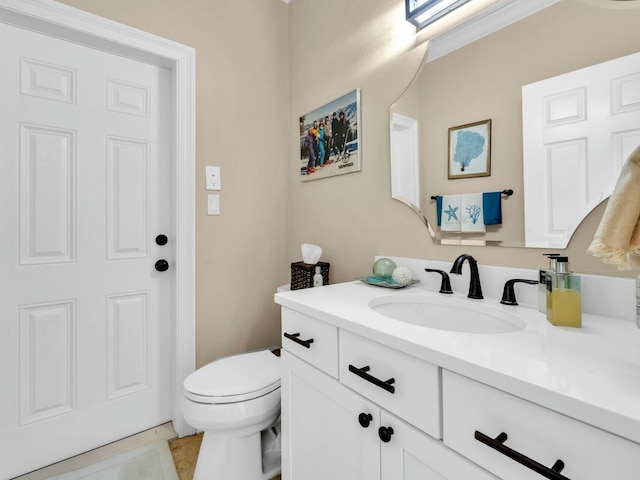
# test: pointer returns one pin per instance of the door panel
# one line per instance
(47, 363)
(47, 191)
(127, 344)
(127, 198)
(84, 316)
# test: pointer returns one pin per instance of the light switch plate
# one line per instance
(212, 177)
(213, 204)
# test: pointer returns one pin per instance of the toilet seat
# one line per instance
(234, 379)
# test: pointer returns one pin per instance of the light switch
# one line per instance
(213, 204)
(212, 178)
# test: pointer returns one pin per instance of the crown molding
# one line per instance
(489, 20)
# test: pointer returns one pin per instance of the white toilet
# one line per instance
(236, 402)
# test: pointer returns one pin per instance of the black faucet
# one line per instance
(509, 295)
(445, 284)
(475, 289)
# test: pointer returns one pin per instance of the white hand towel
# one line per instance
(617, 239)
(472, 215)
(450, 213)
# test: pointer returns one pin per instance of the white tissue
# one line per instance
(311, 253)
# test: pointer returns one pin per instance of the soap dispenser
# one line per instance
(317, 278)
(542, 283)
(565, 306)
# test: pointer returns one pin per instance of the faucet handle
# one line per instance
(445, 285)
(509, 294)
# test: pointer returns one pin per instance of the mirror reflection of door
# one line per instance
(483, 62)
(405, 181)
(578, 129)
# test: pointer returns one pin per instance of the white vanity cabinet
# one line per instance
(333, 431)
(330, 431)
(542, 402)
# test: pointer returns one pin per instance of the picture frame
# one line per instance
(330, 139)
(470, 150)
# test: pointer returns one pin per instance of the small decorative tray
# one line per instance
(384, 282)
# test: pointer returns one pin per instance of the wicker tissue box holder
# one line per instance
(302, 274)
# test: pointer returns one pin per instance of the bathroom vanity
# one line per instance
(367, 396)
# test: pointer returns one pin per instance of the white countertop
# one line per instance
(591, 374)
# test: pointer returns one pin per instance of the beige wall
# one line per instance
(337, 46)
(353, 217)
(260, 65)
(242, 110)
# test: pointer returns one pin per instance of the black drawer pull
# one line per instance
(362, 373)
(294, 337)
(497, 443)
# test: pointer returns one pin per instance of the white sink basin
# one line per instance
(445, 313)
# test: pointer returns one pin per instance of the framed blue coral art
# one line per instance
(470, 150)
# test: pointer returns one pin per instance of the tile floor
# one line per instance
(185, 453)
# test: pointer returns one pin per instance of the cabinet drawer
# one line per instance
(414, 395)
(541, 435)
(311, 340)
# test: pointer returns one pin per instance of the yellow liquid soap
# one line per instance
(549, 310)
(567, 308)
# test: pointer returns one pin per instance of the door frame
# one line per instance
(68, 23)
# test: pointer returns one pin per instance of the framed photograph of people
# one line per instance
(470, 150)
(330, 139)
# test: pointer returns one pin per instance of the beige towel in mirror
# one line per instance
(617, 239)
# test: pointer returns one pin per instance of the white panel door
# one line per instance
(405, 164)
(85, 354)
(578, 129)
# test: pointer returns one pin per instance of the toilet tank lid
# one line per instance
(235, 375)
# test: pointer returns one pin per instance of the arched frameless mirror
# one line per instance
(477, 70)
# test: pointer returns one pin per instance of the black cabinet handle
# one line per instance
(362, 373)
(385, 434)
(497, 443)
(365, 419)
(294, 337)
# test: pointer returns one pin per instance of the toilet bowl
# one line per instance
(234, 400)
